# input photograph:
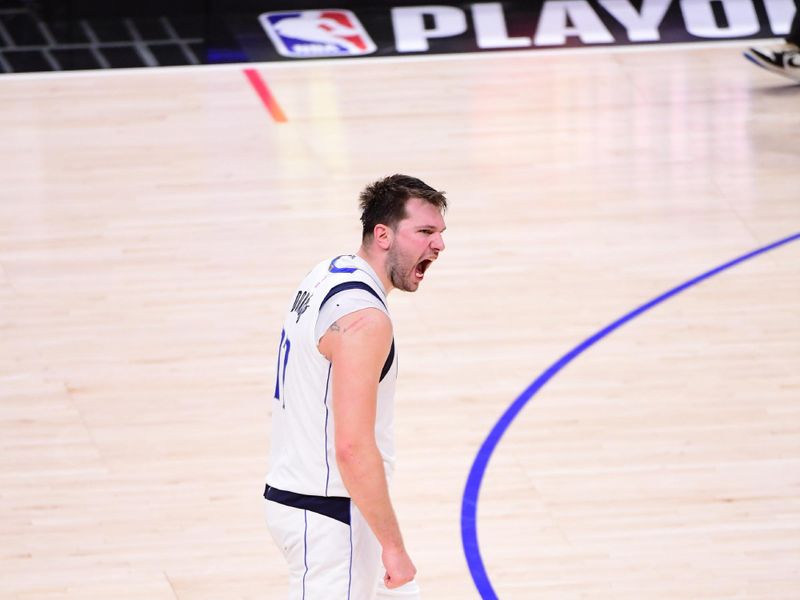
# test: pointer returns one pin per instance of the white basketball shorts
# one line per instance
(329, 559)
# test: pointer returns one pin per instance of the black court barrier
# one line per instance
(87, 34)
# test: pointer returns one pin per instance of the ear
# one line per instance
(383, 236)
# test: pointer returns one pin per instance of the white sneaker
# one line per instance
(783, 60)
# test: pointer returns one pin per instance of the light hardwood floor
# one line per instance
(153, 224)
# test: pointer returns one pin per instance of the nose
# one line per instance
(437, 243)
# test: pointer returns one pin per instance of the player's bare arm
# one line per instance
(357, 346)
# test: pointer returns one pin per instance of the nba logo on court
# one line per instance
(317, 33)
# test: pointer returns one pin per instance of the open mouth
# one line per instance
(422, 266)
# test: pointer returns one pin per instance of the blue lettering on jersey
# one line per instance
(334, 269)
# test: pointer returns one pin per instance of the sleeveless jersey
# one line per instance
(303, 455)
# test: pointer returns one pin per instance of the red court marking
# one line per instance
(260, 86)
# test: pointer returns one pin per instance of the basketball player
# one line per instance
(784, 59)
(327, 500)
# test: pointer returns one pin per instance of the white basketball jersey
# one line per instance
(303, 457)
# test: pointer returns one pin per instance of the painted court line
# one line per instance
(469, 503)
(269, 101)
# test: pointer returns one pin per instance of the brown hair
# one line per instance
(384, 202)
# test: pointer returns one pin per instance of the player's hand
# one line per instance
(399, 568)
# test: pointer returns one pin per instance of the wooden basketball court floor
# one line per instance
(154, 223)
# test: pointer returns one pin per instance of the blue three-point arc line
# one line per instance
(469, 503)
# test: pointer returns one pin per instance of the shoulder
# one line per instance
(367, 320)
(346, 275)
(366, 330)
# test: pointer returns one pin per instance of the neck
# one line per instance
(378, 263)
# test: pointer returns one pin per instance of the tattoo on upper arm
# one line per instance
(360, 323)
(355, 325)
